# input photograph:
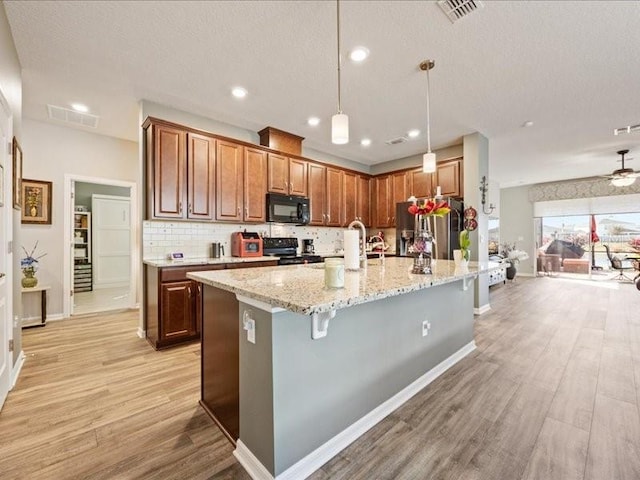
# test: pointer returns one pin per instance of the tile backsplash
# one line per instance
(194, 239)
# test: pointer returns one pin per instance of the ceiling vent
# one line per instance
(71, 116)
(457, 9)
(396, 141)
(627, 129)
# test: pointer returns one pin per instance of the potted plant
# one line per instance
(512, 256)
(465, 248)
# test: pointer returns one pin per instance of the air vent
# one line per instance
(71, 116)
(396, 141)
(458, 9)
(627, 129)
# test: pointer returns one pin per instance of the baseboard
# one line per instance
(482, 309)
(312, 462)
(141, 333)
(28, 321)
(525, 274)
(15, 372)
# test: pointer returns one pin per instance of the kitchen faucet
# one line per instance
(381, 243)
(363, 249)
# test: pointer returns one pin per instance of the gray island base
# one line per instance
(303, 400)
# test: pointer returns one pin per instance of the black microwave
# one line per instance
(287, 209)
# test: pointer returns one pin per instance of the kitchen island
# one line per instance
(318, 367)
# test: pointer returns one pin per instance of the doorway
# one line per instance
(102, 258)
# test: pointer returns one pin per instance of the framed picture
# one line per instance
(17, 175)
(1, 186)
(36, 195)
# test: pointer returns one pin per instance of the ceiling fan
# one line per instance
(623, 177)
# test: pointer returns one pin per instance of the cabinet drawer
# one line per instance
(264, 263)
(176, 274)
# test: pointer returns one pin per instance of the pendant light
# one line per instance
(340, 121)
(429, 158)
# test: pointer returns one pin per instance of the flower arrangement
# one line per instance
(512, 254)
(465, 244)
(29, 264)
(429, 207)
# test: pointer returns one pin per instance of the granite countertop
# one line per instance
(301, 289)
(163, 262)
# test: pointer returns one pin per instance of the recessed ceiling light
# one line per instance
(79, 107)
(313, 121)
(365, 142)
(239, 92)
(359, 54)
(413, 133)
(528, 123)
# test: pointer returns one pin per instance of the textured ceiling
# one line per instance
(570, 67)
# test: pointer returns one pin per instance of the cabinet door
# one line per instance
(421, 184)
(350, 209)
(177, 318)
(255, 185)
(298, 177)
(201, 153)
(383, 194)
(334, 198)
(317, 187)
(400, 193)
(449, 178)
(229, 163)
(278, 176)
(364, 200)
(169, 180)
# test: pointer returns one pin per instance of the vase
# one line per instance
(33, 211)
(29, 280)
(422, 246)
(511, 271)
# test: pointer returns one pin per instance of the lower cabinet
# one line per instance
(173, 305)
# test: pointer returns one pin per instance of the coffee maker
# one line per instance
(307, 246)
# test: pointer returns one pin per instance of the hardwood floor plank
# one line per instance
(615, 378)
(560, 453)
(614, 445)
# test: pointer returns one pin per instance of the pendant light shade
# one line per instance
(340, 129)
(429, 162)
(340, 121)
(429, 158)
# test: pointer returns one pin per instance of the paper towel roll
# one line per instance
(351, 245)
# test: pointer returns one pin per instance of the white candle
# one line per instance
(438, 191)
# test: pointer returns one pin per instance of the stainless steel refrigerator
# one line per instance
(446, 230)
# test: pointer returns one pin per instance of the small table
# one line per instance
(43, 303)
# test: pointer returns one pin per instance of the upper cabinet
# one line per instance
(421, 184)
(229, 181)
(383, 195)
(325, 195)
(334, 198)
(317, 193)
(287, 175)
(449, 178)
(363, 205)
(255, 185)
(180, 172)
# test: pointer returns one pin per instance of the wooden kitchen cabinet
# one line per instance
(449, 177)
(255, 185)
(229, 181)
(173, 305)
(180, 172)
(334, 198)
(421, 184)
(400, 193)
(383, 195)
(350, 198)
(317, 192)
(363, 206)
(287, 176)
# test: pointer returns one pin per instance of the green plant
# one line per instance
(465, 244)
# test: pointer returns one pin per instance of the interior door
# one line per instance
(111, 234)
(6, 201)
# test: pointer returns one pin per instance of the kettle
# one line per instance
(217, 249)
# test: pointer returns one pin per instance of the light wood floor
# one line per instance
(552, 392)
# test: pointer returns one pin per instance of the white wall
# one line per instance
(516, 224)
(51, 152)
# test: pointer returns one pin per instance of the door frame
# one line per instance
(136, 273)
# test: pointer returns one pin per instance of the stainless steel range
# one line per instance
(286, 249)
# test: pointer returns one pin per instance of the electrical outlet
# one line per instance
(425, 328)
(249, 324)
